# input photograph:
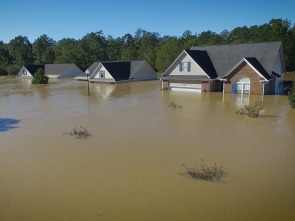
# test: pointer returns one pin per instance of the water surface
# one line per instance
(129, 168)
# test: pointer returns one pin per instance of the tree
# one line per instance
(66, 51)
(208, 38)
(113, 48)
(39, 48)
(188, 40)
(291, 96)
(146, 43)
(91, 48)
(20, 51)
(128, 48)
(40, 77)
(167, 53)
(239, 35)
(4, 58)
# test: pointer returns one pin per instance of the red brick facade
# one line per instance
(244, 70)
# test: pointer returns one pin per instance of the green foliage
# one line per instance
(291, 96)
(20, 52)
(158, 51)
(40, 77)
(40, 46)
(252, 110)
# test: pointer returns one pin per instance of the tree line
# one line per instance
(158, 51)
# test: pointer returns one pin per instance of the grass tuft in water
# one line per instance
(174, 105)
(252, 110)
(204, 172)
(81, 132)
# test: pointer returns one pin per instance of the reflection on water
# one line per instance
(129, 168)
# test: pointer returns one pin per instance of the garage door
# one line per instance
(197, 87)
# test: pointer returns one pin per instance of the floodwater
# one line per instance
(129, 168)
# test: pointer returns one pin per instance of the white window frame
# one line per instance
(243, 85)
(101, 74)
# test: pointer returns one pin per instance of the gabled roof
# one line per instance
(203, 60)
(276, 74)
(120, 70)
(58, 69)
(32, 68)
(255, 65)
(225, 57)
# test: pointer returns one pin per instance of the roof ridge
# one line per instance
(246, 43)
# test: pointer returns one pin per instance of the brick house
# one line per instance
(255, 68)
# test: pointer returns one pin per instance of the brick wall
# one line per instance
(165, 84)
(205, 86)
(244, 70)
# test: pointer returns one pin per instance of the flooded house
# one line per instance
(252, 68)
(51, 70)
(119, 72)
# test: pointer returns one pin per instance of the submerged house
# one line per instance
(255, 68)
(119, 72)
(51, 70)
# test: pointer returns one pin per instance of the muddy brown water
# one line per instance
(129, 168)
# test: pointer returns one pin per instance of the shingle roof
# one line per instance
(58, 69)
(225, 57)
(32, 68)
(120, 70)
(255, 63)
(203, 60)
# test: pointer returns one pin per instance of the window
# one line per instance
(24, 72)
(243, 85)
(184, 66)
(101, 74)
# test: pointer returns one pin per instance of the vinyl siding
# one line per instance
(194, 67)
(106, 74)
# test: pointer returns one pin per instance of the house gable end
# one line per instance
(255, 66)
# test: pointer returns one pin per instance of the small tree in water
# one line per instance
(291, 96)
(252, 111)
(40, 77)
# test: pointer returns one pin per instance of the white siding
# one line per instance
(107, 75)
(194, 68)
(20, 73)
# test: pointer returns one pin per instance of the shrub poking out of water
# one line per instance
(252, 110)
(204, 172)
(81, 132)
(174, 105)
(291, 96)
(40, 77)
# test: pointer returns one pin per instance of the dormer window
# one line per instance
(184, 66)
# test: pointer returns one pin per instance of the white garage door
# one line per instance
(186, 87)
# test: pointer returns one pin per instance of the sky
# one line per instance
(75, 18)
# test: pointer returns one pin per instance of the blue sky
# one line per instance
(75, 18)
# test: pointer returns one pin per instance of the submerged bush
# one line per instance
(291, 96)
(252, 110)
(81, 132)
(208, 173)
(174, 105)
(40, 77)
